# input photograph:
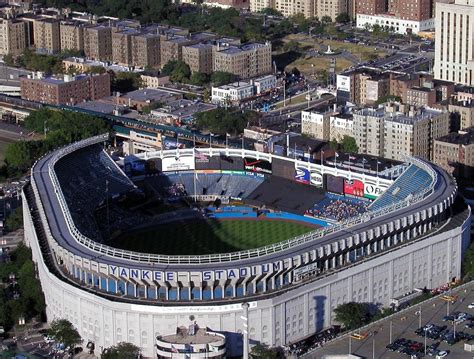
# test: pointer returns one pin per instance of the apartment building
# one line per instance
(172, 45)
(362, 86)
(455, 153)
(246, 61)
(46, 35)
(146, 50)
(454, 55)
(421, 96)
(13, 36)
(71, 35)
(226, 4)
(367, 7)
(66, 90)
(98, 42)
(199, 57)
(400, 83)
(259, 5)
(465, 109)
(317, 124)
(369, 130)
(328, 124)
(395, 131)
(331, 8)
(122, 46)
(415, 10)
(293, 7)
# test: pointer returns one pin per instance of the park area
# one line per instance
(210, 236)
(301, 51)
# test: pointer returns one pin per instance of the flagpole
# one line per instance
(210, 140)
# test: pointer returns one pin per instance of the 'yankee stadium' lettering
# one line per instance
(209, 275)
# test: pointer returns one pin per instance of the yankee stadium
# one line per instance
(244, 243)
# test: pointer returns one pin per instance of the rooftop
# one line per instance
(463, 137)
(234, 85)
(151, 95)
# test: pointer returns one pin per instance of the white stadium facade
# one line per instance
(413, 236)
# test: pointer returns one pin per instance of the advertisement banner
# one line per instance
(177, 163)
(302, 175)
(316, 179)
(354, 187)
(372, 191)
(259, 166)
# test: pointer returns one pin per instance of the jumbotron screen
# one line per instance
(335, 184)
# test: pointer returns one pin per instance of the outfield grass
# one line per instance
(209, 236)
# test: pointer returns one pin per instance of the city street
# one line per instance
(403, 326)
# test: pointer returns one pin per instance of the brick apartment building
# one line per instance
(67, 90)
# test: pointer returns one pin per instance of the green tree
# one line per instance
(326, 19)
(292, 45)
(9, 60)
(169, 67)
(271, 11)
(333, 144)
(220, 78)
(343, 18)
(122, 350)
(14, 221)
(20, 155)
(199, 78)
(64, 332)
(181, 72)
(349, 144)
(262, 351)
(126, 81)
(221, 121)
(352, 315)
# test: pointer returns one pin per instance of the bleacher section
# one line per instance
(411, 182)
(87, 176)
(338, 208)
(285, 195)
(226, 185)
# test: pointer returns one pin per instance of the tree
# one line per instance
(271, 11)
(9, 60)
(349, 144)
(352, 315)
(181, 72)
(221, 121)
(291, 45)
(326, 19)
(262, 351)
(14, 221)
(122, 350)
(64, 332)
(199, 78)
(126, 81)
(220, 78)
(343, 18)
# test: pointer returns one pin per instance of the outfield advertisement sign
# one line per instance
(316, 179)
(259, 166)
(372, 191)
(302, 175)
(354, 187)
(178, 163)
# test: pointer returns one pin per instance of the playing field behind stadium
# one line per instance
(210, 236)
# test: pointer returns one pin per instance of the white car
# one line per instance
(471, 306)
(442, 354)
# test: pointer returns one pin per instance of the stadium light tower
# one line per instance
(245, 319)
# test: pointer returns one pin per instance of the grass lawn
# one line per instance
(309, 64)
(209, 236)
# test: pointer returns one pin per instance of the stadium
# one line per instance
(130, 249)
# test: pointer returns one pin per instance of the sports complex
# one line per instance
(129, 249)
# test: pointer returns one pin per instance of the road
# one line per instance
(431, 312)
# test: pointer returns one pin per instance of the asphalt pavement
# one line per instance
(404, 325)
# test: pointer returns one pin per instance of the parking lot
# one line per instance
(442, 334)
